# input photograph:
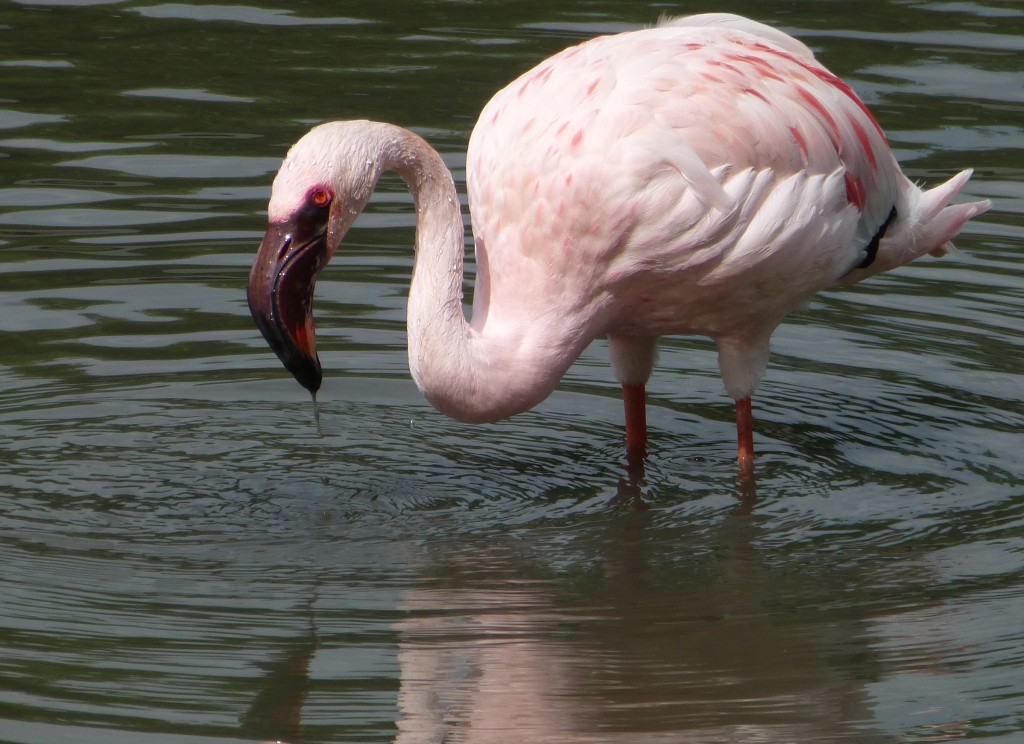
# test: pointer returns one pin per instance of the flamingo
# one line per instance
(705, 176)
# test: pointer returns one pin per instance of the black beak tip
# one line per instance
(280, 295)
(308, 374)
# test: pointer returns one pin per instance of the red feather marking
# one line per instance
(759, 94)
(823, 112)
(800, 141)
(763, 67)
(835, 82)
(865, 143)
(855, 192)
(822, 74)
(726, 65)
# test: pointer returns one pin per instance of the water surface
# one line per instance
(186, 560)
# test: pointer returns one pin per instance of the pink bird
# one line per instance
(706, 176)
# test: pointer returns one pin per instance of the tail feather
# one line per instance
(927, 225)
(941, 221)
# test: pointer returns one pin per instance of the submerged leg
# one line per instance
(635, 399)
(634, 396)
(745, 435)
(633, 359)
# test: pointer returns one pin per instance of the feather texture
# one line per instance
(704, 176)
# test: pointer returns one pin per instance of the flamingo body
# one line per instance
(706, 176)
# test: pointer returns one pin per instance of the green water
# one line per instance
(184, 559)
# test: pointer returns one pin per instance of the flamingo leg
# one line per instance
(745, 435)
(635, 399)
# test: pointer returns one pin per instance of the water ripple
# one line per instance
(242, 14)
(186, 558)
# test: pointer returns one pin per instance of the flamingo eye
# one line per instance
(320, 198)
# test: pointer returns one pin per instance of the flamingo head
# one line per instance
(289, 259)
(322, 186)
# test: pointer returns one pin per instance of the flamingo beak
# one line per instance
(281, 295)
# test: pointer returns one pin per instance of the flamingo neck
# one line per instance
(471, 374)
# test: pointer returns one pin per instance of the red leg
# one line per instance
(745, 434)
(635, 398)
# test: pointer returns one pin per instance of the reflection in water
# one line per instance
(656, 658)
(276, 712)
(630, 646)
(481, 665)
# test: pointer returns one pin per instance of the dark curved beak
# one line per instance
(281, 295)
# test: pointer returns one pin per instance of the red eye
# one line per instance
(320, 197)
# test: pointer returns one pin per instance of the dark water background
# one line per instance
(184, 560)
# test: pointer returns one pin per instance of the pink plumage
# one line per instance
(705, 176)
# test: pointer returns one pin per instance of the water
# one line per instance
(186, 560)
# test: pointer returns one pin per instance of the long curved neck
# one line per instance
(464, 372)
